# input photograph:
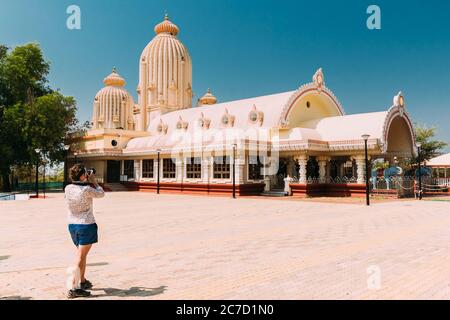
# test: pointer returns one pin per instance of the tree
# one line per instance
(32, 115)
(430, 147)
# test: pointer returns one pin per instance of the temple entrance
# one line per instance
(312, 169)
(334, 169)
(281, 174)
(113, 171)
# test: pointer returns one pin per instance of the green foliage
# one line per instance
(430, 147)
(381, 165)
(23, 73)
(31, 114)
(47, 123)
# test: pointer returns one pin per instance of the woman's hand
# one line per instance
(92, 179)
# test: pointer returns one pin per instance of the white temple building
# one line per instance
(300, 141)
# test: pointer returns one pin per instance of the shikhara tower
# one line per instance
(165, 75)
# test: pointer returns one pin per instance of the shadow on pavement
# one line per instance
(132, 292)
(15, 298)
(97, 264)
(4, 257)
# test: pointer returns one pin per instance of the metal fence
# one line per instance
(402, 186)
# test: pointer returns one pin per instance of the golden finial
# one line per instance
(114, 70)
(166, 16)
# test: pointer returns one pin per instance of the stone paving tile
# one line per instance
(191, 247)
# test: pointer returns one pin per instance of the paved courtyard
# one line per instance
(194, 247)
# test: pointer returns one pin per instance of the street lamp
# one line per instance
(157, 175)
(234, 170)
(66, 152)
(75, 154)
(38, 151)
(419, 145)
(366, 137)
(45, 165)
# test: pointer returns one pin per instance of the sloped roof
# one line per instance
(270, 105)
(442, 160)
(349, 127)
(343, 129)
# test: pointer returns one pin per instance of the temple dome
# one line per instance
(114, 79)
(165, 74)
(113, 105)
(207, 99)
(167, 27)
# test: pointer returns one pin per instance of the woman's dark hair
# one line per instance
(77, 171)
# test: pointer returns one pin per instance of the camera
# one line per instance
(90, 171)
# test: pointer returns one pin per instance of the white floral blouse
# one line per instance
(79, 200)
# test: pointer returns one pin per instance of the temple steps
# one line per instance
(275, 193)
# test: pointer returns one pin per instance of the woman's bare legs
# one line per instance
(81, 260)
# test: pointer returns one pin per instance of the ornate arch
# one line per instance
(398, 110)
(317, 86)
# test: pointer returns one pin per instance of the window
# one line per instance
(128, 168)
(169, 168)
(194, 168)
(221, 167)
(255, 166)
(253, 116)
(147, 168)
(225, 120)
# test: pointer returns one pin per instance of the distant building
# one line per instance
(302, 134)
(440, 166)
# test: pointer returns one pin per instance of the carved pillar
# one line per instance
(322, 161)
(240, 164)
(206, 169)
(137, 170)
(302, 161)
(179, 164)
(155, 169)
(360, 168)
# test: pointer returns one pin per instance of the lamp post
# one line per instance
(38, 151)
(419, 145)
(75, 154)
(366, 137)
(66, 151)
(45, 164)
(157, 175)
(234, 170)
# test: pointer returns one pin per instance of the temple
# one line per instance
(299, 142)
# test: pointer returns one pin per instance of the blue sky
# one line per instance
(253, 47)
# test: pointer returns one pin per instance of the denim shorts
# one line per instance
(83, 234)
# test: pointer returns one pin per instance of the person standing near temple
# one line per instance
(81, 224)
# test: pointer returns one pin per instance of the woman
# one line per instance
(82, 226)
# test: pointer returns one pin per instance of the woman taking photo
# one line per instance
(82, 227)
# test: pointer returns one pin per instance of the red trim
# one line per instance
(197, 188)
(329, 189)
